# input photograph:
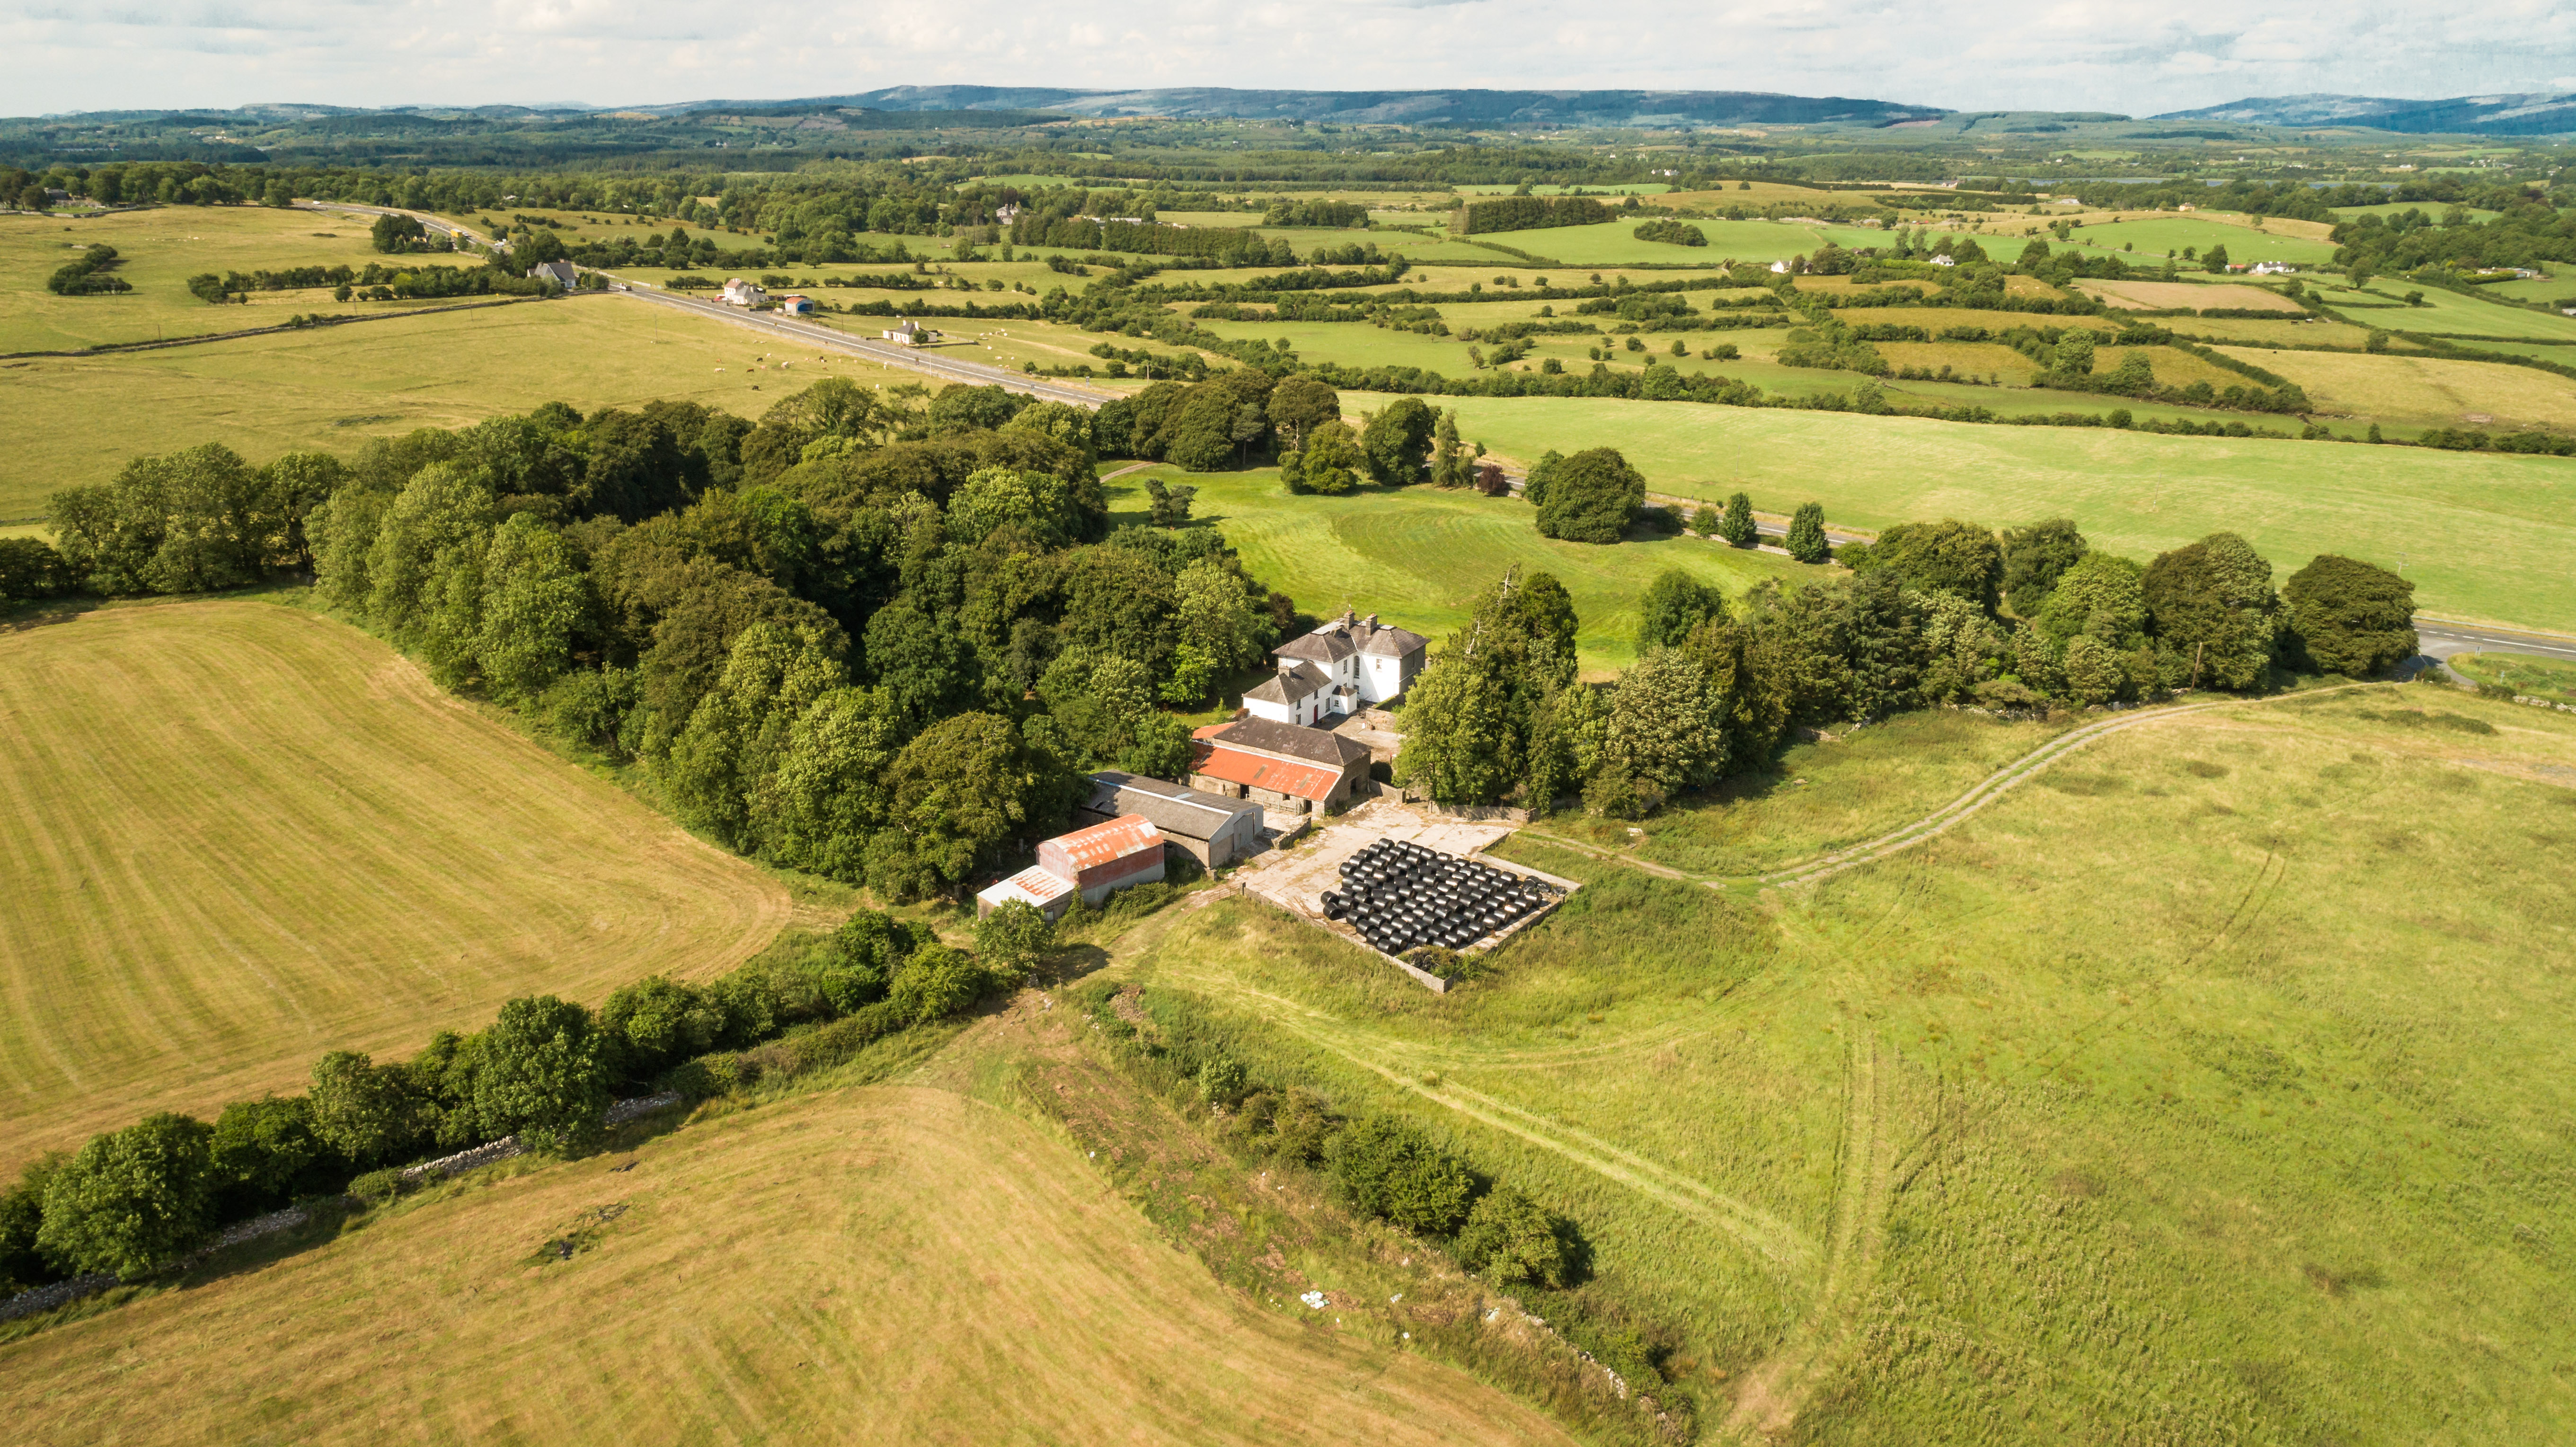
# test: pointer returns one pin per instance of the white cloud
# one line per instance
(2054, 54)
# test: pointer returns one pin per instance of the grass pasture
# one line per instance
(2445, 314)
(2153, 237)
(2524, 673)
(157, 251)
(892, 1263)
(335, 387)
(2483, 536)
(2161, 295)
(1420, 555)
(243, 835)
(2426, 391)
(1612, 243)
(2252, 1011)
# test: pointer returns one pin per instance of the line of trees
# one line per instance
(1931, 614)
(131, 1201)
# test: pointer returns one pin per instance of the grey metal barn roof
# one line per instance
(1174, 808)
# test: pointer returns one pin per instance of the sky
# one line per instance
(2003, 54)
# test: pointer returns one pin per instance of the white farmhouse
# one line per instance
(1339, 669)
(744, 293)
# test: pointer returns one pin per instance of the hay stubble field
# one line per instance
(244, 835)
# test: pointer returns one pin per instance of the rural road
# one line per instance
(2440, 638)
(952, 369)
(815, 334)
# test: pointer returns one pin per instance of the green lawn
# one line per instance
(157, 251)
(2484, 537)
(1419, 556)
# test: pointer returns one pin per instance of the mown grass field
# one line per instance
(157, 251)
(2173, 1098)
(2483, 536)
(333, 388)
(243, 835)
(893, 1263)
(2427, 391)
(1420, 555)
(2158, 295)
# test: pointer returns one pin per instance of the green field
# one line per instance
(2522, 672)
(2425, 391)
(893, 1263)
(1420, 555)
(157, 251)
(1614, 242)
(2150, 239)
(2483, 536)
(334, 388)
(243, 835)
(2170, 1099)
(2445, 313)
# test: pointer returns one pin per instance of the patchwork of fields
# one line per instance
(2483, 536)
(243, 835)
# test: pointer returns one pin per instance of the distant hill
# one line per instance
(2491, 115)
(1410, 107)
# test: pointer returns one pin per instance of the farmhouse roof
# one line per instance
(1300, 680)
(1289, 742)
(1176, 809)
(1109, 842)
(1351, 634)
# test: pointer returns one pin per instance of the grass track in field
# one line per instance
(2485, 535)
(2146, 1031)
(885, 1264)
(242, 835)
(1420, 555)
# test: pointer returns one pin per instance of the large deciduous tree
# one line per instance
(541, 1076)
(2352, 617)
(130, 1201)
(1591, 497)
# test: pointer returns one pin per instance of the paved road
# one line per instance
(815, 334)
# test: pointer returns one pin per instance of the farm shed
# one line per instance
(1213, 829)
(1279, 765)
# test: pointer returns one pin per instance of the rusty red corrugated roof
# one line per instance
(1305, 781)
(1107, 843)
